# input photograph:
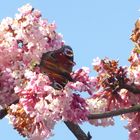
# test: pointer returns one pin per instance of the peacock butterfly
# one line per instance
(57, 65)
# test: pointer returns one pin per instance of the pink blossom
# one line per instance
(77, 111)
(83, 82)
(7, 84)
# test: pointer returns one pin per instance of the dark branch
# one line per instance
(108, 114)
(3, 111)
(77, 131)
(132, 88)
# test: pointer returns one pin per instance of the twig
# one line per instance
(108, 114)
(77, 131)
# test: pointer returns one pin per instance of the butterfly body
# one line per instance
(58, 65)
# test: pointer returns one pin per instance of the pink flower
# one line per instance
(7, 95)
(26, 9)
(83, 82)
(77, 111)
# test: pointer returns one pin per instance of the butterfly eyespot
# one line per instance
(57, 86)
(68, 52)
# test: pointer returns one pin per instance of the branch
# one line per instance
(132, 88)
(77, 131)
(3, 111)
(135, 108)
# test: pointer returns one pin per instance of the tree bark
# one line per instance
(135, 108)
(77, 131)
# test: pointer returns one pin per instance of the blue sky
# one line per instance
(92, 28)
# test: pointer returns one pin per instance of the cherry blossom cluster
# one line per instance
(23, 41)
(134, 76)
(113, 92)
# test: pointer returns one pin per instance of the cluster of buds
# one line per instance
(22, 121)
(110, 76)
(135, 37)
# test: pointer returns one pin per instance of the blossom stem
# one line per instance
(113, 113)
(77, 131)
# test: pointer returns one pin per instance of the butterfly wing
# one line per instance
(58, 65)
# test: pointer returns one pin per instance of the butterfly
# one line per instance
(57, 65)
